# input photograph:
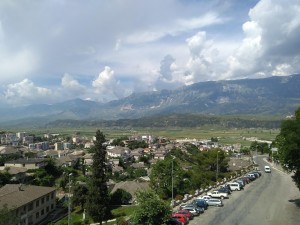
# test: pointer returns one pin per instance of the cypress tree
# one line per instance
(98, 198)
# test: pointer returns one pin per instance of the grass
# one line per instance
(226, 136)
(77, 215)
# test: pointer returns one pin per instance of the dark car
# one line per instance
(173, 221)
(200, 203)
(224, 190)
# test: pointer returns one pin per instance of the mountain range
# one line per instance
(266, 96)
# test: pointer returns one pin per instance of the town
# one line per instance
(42, 164)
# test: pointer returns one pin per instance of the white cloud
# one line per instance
(204, 40)
(173, 28)
(71, 85)
(108, 86)
(202, 59)
(271, 45)
(26, 92)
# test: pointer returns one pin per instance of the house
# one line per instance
(30, 163)
(9, 151)
(18, 173)
(137, 153)
(30, 204)
(116, 152)
(68, 160)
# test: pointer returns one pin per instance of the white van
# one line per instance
(267, 169)
(234, 186)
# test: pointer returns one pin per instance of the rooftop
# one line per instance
(16, 195)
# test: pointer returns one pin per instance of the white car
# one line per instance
(267, 169)
(204, 197)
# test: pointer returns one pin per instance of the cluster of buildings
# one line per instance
(35, 203)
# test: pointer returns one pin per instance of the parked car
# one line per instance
(225, 190)
(200, 203)
(217, 194)
(193, 210)
(241, 183)
(204, 197)
(181, 218)
(215, 202)
(255, 174)
(234, 186)
(251, 177)
(186, 213)
(173, 221)
(246, 179)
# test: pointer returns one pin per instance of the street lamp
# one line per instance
(69, 205)
(217, 166)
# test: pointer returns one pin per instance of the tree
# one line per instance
(151, 211)
(120, 197)
(98, 198)
(7, 217)
(288, 144)
(79, 195)
(4, 178)
(161, 178)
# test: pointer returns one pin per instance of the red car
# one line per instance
(186, 213)
(181, 218)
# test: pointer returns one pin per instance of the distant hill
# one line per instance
(267, 96)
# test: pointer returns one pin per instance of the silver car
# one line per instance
(215, 202)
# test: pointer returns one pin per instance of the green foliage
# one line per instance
(161, 178)
(4, 178)
(79, 195)
(263, 148)
(151, 211)
(288, 143)
(120, 197)
(119, 141)
(46, 176)
(10, 157)
(137, 144)
(7, 217)
(98, 198)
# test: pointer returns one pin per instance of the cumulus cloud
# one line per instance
(108, 86)
(271, 45)
(200, 66)
(26, 92)
(209, 41)
(72, 86)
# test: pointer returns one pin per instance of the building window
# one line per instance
(47, 209)
(52, 206)
(47, 198)
(37, 203)
(43, 199)
(30, 206)
(52, 195)
(37, 215)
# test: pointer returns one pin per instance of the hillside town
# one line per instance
(130, 161)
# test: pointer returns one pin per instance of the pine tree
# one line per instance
(98, 198)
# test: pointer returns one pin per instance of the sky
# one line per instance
(101, 50)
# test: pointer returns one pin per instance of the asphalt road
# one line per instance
(271, 199)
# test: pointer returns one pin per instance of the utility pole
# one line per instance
(172, 174)
(217, 166)
(69, 205)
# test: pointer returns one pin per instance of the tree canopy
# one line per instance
(7, 217)
(151, 211)
(288, 143)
